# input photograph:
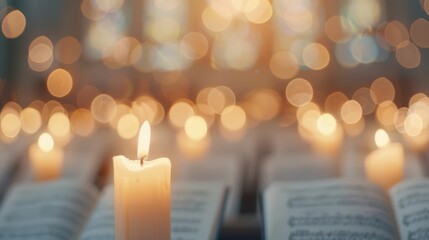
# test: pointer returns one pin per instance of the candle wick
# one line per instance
(143, 159)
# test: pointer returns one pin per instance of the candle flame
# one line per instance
(326, 124)
(143, 142)
(46, 142)
(381, 138)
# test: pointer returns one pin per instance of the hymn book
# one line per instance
(345, 210)
(68, 210)
(196, 212)
(46, 211)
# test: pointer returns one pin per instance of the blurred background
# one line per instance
(248, 77)
(159, 57)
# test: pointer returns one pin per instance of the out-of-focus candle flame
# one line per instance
(196, 128)
(46, 142)
(326, 124)
(143, 141)
(381, 138)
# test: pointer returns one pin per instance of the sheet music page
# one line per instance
(46, 211)
(195, 212)
(10, 161)
(331, 209)
(411, 206)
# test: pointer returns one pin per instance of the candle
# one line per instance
(45, 158)
(328, 136)
(142, 194)
(327, 139)
(384, 166)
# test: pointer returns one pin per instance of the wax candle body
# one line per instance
(46, 165)
(142, 199)
(385, 165)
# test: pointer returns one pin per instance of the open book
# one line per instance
(60, 210)
(196, 212)
(10, 160)
(46, 211)
(345, 210)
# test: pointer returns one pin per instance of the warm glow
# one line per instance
(59, 83)
(108, 5)
(13, 24)
(192, 149)
(143, 143)
(356, 129)
(103, 108)
(196, 128)
(408, 55)
(316, 56)
(179, 112)
(299, 92)
(309, 119)
(31, 120)
(413, 125)
(334, 29)
(201, 101)
(382, 90)
(260, 13)
(121, 110)
(128, 126)
(40, 54)
(399, 119)
(385, 113)
(351, 112)
(82, 122)
(194, 45)
(304, 113)
(233, 118)
(89, 11)
(263, 104)
(147, 108)
(418, 32)
(10, 125)
(334, 102)
(68, 50)
(395, 32)
(426, 6)
(416, 98)
(85, 95)
(381, 138)
(46, 142)
(363, 97)
(284, 65)
(220, 97)
(326, 124)
(364, 13)
(163, 29)
(216, 18)
(59, 124)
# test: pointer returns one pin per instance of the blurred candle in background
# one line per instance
(385, 165)
(328, 139)
(46, 159)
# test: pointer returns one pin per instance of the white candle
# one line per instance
(328, 137)
(142, 194)
(385, 165)
(45, 158)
